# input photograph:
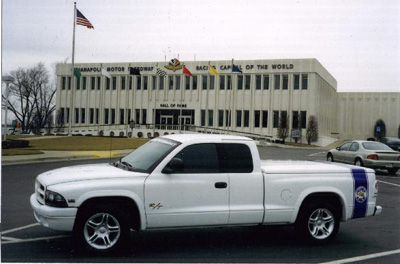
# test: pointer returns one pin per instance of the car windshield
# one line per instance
(146, 157)
(375, 146)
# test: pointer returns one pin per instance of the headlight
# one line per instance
(55, 199)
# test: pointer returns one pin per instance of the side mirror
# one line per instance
(174, 166)
(338, 148)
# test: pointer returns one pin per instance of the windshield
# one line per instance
(147, 157)
(375, 146)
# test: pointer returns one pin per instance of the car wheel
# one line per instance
(392, 171)
(318, 222)
(359, 162)
(329, 157)
(102, 229)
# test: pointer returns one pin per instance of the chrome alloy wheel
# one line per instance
(321, 223)
(102, 231)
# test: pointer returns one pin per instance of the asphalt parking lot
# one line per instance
(366, 240)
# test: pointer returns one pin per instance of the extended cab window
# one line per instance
(199, 158)
(236, 158)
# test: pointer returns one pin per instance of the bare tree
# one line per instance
(31, 97)
(312, 129)
(283, 126)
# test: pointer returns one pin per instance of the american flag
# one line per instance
(82, 20)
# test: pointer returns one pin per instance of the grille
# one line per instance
(39, 190)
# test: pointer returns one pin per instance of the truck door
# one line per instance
(196, 195)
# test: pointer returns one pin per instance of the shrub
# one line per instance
(15, 144)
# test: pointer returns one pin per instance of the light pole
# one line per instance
(7, 80)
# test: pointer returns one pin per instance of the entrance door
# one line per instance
(167, 122)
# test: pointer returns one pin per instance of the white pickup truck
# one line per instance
(197, 180)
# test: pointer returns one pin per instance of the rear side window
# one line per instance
(235, 158)
(199, 158)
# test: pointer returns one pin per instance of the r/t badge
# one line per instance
(155, 206)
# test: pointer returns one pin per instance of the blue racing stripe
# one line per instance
(360, 192)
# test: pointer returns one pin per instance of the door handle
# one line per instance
(221, 185)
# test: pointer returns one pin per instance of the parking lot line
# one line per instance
(360, 258)
(33, 239)
(19, 228)
(398, 185)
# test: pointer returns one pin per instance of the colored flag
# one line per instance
(77, 73)
(82, 20)
(186, 71)
(160, 72)
(213, 71)
(236, 69)
(134, 71)
(105, 73)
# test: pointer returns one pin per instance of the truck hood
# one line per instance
(85, 172)
(305, 167)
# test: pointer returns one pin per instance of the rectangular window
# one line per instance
(91, 117)
(161, 83)
(113, 116)
(137, 116)
(194, 82)
(240, 82)
(303, 119)
(264, 118)
(121, 116)
(129, 115)
(284, 120)
(178, 82)
(138, 82)
(277, 79)
(266, 82)
(84, 83)
(106, 115)
(78, 83)
(238, 118)
(69, 83)
(295, 119)
(210, 118)
(222, 82)
(228, 118)
(154, 82)
(92, 83)
(67, 115)
(83, 117)
(123, 81)
(246, 120)
(108, 83)
(257, 118)
(247, 82)
(76, 115)
(114, 83)
(170, 82)
(285, 82)
(276, 119)
(203, 118)
(130, 83)
(258, 82)
(145, 82)
(187, 82)
(98, 83)
(304, 81)
(97, 115)
(212, 82)
(204, 82)
(220, 118)
(229, 87)
(63, 83)
(61, 116)
(144, 116)
(296, 82)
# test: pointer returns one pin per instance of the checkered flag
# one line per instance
(161, 72)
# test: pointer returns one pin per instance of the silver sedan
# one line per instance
(369, 154)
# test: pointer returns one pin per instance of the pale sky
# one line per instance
(358, 42)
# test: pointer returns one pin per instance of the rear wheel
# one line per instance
(359, 162)
(329, 157)
(318, 222)
(393, 171)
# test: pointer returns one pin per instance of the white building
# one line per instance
(248, 103)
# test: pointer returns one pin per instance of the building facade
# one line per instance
(159, 98)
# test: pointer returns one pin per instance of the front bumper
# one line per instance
(378, 210)
(62, 219)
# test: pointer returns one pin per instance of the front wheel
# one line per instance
(318, 222)
(102, 229)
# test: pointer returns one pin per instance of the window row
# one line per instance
(243, 82)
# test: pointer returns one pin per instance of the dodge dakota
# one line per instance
(195, 180)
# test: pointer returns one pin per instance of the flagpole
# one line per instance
(154, 110)
(231, 101)
(71, 103)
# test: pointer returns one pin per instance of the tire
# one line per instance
(102, 229)
(392, 171)
(329, 157)
(318, 222)
(358, 162)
